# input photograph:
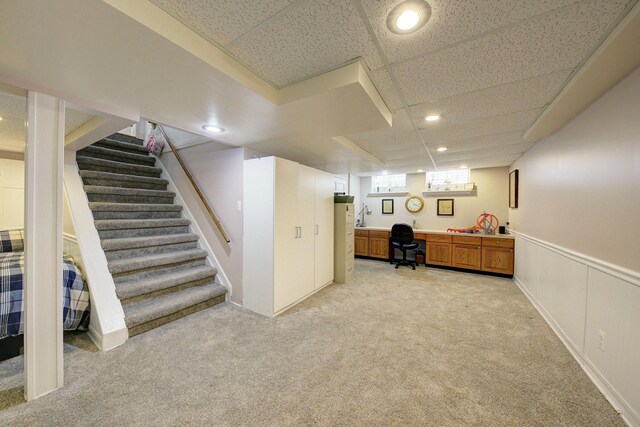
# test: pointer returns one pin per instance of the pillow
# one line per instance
(11, 241)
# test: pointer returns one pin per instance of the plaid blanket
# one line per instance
(74, 291)
(11, 241)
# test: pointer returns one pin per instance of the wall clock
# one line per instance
(414, 204)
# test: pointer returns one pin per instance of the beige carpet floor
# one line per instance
(395, 347)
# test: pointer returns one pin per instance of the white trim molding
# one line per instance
(592, 306)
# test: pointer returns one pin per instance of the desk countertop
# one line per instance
(499, 236)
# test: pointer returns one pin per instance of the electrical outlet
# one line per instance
(601, 339)
(238, 205)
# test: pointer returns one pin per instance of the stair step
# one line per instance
(97, 193)
(94, 164)
(135, 269)
(121, 146)
(148, 241)
(117, 156)
(125, 138)
(119, 228)
(147, 314)
(131, 291)
(151, 250)
(106, 210)
(130, 247)
(151, 261)
(107, 179)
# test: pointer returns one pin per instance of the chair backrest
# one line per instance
(402, 233)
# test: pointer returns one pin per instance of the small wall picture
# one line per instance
(387, 206)
(445, 207)
(513, 189)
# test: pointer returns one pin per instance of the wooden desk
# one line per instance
(493, 254)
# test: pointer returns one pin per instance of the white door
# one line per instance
(324, 233)
(306, 212)
(286, 231)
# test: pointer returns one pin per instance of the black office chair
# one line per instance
(402, 238)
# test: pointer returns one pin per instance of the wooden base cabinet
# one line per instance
(372, 243)
(497, 255)
(287, 233)
(361, 243)
(466, 252)
(379, 244)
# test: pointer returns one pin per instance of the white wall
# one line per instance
(580, 188)
(577, 254)
(492, 197)
(12, 197)
(11, 193)
(219, 176)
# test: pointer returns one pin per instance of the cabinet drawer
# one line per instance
(379, 234)
(497, 242)
(419, 236)
(438, 238)
(362, 233)
(467, 240)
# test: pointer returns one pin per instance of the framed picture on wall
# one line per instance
(387, 206)
(445, 207)
(513, 189)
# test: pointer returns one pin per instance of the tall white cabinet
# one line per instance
(288, 233)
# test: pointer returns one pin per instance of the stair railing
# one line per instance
(215, 219)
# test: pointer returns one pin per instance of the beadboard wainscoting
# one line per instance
(593, 307)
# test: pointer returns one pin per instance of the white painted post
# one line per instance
(43, 345)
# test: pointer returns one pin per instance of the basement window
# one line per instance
(389, 183)
(454, 176)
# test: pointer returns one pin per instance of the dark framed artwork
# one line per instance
(445, 207)
(387, 206)
(513, 189)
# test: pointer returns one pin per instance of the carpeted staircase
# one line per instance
(159, 271)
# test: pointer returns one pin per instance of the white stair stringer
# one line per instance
(107, 327)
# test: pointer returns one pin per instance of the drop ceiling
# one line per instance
(489, 67)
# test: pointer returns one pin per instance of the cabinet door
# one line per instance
(439, 253)
(361, 245)
(379, 247)
(306, 220)
(323, 231)
(287, 246)
(497, 260)
(466, 256)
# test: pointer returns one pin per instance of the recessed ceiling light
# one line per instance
(407, 20)
(0, 119)
(463, 167)
(432, 118)
(441, 149)
(419, 170)
(408, 16)
(213, 128)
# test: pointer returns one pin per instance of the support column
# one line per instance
(43, 345)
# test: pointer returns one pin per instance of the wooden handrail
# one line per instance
(195, 186)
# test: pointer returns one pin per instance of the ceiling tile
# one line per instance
(309, 40)
(552, 42)
(451, 22)
(221, 21)
(13, 110)
(481, 142)
(475, 128)
(521, 95)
